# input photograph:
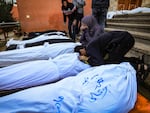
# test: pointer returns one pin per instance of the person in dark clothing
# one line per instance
(99, 10)
(111, 48)
(108, 48)
(70, 13)
(79, 4)
(90, 29)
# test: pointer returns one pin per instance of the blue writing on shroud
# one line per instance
(58, 103)
(85, 81)
(98, 90)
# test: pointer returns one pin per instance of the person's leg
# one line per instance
(143, 69)
(102, 17)
(95, 14)
(80, 16)
(78, 21)
(74, 29)
(69, 28)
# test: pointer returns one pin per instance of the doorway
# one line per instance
(129, 4)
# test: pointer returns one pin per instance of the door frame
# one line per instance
(129, 4)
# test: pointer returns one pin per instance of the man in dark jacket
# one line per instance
(99, 10)
(109, 48)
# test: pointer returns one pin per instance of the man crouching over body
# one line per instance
(109, 48)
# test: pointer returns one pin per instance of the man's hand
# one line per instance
(83, 58)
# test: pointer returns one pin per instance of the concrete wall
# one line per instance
(113, 5)
(146, 3)
(43, 15)
(47, 14)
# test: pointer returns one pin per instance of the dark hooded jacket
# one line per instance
(94, 30)
(115, 43)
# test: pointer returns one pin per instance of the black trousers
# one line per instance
(79, 17)
(72, 29)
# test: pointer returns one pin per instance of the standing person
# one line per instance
(69, 12)
(90, 29)
(80, 12)
(99, 10)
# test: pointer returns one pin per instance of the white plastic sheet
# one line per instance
(34, 73)
(110, 14)
(35, 53)
(36, 39)
(103, 89)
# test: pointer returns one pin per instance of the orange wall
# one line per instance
(14, 13)
(40, 15)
